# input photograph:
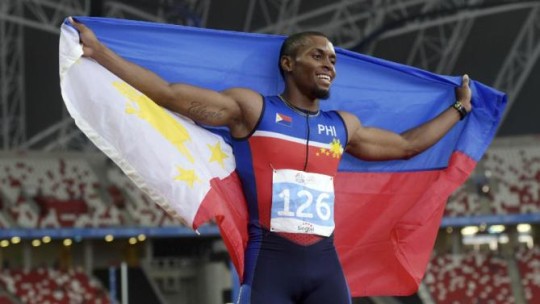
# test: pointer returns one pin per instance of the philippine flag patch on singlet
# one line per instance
(283, 119)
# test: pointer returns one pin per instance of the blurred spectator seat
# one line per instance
(513, 178)
(52, 191)
(469, 278)
(529, 267)
(143, 210)
(45, 285)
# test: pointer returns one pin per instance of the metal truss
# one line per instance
(44, 15)
(342, 21)
(437, 48)
(348, 23)
(64, 135)
(14, 15)
(187, 12)
(12, 105)
(521, 59)
(439, 41)
(440, 28)
(124, 11)
(47, 15)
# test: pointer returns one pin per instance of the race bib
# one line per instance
(302, 202)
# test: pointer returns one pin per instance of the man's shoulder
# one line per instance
(240, 93)
(248, 99)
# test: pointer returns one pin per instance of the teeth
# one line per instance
(326, 77)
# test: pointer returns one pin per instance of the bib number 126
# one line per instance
(302, 202)
(301, 205)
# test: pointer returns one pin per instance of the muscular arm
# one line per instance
(236, 108)
(377, 144)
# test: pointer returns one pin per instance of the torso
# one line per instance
(280, 140)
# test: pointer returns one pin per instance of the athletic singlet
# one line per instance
(288, 267)
(286, 138)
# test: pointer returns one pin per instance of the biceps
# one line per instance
(203, 106)
(377, 144)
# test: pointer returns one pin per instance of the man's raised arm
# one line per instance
(234, 108)
(377, 144)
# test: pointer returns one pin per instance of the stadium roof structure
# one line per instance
(495, 41)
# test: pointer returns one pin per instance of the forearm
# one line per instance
(426, 135)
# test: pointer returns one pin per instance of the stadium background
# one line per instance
(72, 226)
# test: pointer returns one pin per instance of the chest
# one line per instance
(287, 139)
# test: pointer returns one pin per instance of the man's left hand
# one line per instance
(463, 93)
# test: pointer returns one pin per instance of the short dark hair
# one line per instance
(291, 45)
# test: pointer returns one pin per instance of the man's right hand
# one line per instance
(91, 45)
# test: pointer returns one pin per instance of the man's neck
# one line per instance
(299, 100)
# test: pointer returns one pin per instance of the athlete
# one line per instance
(287, 152)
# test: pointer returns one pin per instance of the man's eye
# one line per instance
(317, 56)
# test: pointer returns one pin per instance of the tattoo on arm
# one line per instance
(200, 112)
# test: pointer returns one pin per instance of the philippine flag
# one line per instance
(283, 119)
(387, 214)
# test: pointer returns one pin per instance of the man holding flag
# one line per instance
(287, 154)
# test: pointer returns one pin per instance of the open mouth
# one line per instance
(325, 78)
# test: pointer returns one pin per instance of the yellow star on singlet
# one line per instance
(335, 150)
(217, 154)
(187, 176)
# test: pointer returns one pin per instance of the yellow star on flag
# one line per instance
(217, 154)
(187, 176)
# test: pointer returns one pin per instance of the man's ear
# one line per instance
(286, 63)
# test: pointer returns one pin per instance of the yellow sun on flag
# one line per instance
(187, 176)
(163, 122)
(217, 154)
